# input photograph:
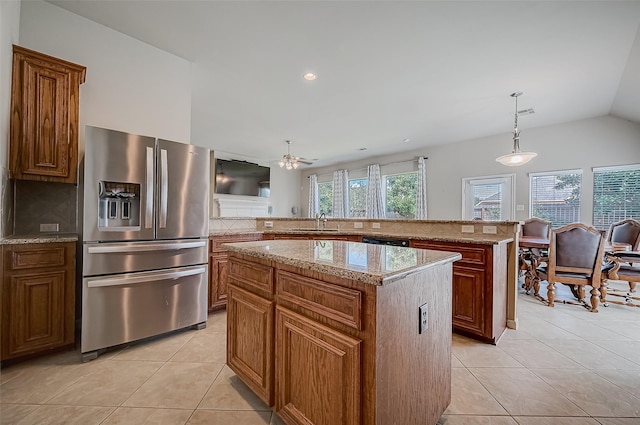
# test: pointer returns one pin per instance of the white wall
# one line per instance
(285, 192)
(130, 86)
(9, 35)
(597, 142)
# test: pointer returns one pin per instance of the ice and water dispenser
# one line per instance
(118, 206)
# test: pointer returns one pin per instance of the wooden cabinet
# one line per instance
(250, 340)
(44, 117)
(38, 296)
(329, 350)
(218, 266)
(303, 392)
(479, 288)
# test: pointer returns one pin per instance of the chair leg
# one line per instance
(603, 293)
(594, 300)
(632, 286)
(536, 286)
(551, 293)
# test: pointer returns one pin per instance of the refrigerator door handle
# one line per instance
(148, 209)
(118, 281)
(115, 249)
(164, 188)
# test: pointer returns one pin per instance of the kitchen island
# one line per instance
(336, 333)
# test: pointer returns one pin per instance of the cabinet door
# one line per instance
(36, 314)
(250, 340)
(219, 272)
(329, 393)
(38, 298)
(44, 117)
(469, 299)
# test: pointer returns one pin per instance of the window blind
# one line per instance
(555, 197)
(616, 195)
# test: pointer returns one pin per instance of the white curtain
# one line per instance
(421, 196)
(375, 206)
(314, 196)
(341, 194)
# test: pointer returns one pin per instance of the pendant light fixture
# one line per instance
(516, 157)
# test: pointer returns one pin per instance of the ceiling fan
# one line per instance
(291, 162)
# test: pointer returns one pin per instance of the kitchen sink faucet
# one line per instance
(322, 217)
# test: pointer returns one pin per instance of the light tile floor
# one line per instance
(563, 366)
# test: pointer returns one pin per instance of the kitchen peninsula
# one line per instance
(334, 332)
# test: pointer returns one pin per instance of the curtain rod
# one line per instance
(381, 165)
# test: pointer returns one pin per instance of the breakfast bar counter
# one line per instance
(334, 332)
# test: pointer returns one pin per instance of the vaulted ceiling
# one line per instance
(432, 72)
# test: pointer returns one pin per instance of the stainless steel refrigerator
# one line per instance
(145, 230)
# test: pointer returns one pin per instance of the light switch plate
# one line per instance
(49, 227)
(424, 318)
(520, 207)
(490, 229)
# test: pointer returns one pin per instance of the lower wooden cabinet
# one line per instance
(38, 296)
(479, 288)
(303, 392)
(250, 341)
(218, 266)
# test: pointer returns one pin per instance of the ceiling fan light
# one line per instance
(281, 163)
(296, 165)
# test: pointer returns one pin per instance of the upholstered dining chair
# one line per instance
(531, 257)
(623, 265)
(575, 258)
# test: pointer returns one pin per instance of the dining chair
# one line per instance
(622, 265)
(530, 258)
(575, 259)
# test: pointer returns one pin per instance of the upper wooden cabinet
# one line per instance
(44, 117)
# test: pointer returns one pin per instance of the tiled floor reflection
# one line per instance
(563, 366)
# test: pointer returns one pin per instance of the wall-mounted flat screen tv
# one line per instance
(241, 178)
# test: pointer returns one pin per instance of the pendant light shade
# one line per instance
(516, 157)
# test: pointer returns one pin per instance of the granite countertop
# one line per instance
(42, 238)
(372, 264)
(483, 239)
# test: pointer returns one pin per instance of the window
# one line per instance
(399, 194)
(556, 196)
(325, 198)
(616, 195)
(488, 198)
(358, 197)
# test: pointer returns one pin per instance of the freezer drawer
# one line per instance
(127, 307)
(126, 257)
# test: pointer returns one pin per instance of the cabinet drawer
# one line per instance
(334, 302)
(22, 258)
(472, 255)
(216, 242)
(254, 277)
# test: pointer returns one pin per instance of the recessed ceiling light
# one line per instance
(362, 149)
(309, 76)
(406, 140)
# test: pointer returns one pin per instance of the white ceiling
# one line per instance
(431, 71)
